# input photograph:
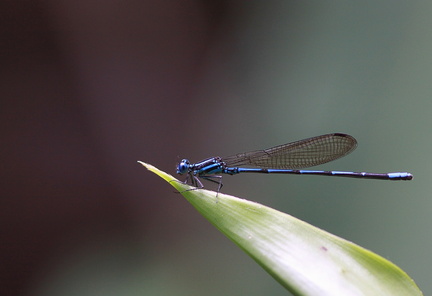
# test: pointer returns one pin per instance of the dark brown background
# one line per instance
(87, 88)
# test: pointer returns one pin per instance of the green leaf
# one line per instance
(304, 259)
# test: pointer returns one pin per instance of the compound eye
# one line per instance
(183, 167)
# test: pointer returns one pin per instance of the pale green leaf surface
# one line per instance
(304, 259)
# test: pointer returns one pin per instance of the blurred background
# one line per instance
(87, 88)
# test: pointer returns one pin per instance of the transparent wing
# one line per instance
(301, 154)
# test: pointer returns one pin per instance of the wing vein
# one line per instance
(300, 154)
